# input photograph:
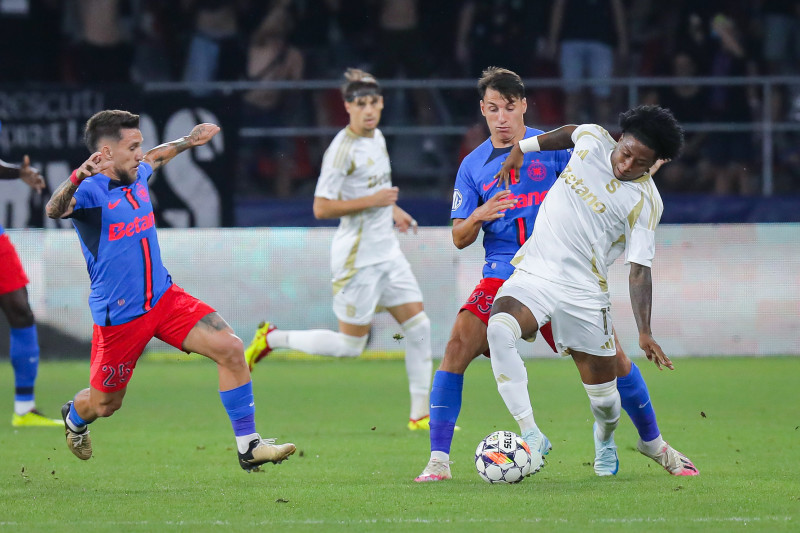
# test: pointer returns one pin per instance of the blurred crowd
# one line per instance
(135, 41)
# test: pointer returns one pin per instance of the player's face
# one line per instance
(504, 117)
(126, 154)
(365, 114)
(631, 158)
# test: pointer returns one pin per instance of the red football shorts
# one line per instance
(116, 349)
(480, 305)
(12, 276)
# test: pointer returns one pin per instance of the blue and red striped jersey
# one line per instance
(116, 227)
(475, 184)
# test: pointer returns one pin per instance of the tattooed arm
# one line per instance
(640, 283)
(163, 153)
(62, 202)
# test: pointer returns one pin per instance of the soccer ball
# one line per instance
(503, 457)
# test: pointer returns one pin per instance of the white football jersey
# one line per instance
(353, 167)
(589, 218)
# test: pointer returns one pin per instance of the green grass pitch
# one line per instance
(166, 461)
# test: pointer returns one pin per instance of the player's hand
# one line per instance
(658, 164)
(403, 221)
(94, 165)
(385, 197)
(494, 207)
(202, 133)
(654, 352)
(510, 167)
(30, 175)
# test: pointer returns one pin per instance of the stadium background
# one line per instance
(726, 278)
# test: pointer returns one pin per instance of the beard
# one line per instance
(124, 176)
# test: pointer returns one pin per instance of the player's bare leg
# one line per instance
(86, 407)
(467, 341)
(636, 402)
(419, 364)
(214, 338)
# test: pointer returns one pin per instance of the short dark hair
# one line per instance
(502, 80)
(108, 123)
(359, 83)
(656, 127)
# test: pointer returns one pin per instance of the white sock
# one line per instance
(605, 402)
(243, 441)
(509, 370)
(319, 342)
(419, 364)
(440, 456)
(22, 407)
(654, 446)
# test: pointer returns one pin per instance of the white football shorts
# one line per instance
(581, 320)
(382, 285)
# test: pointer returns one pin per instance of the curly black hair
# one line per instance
(655, 127)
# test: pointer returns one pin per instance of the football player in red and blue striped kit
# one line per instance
(133, 298)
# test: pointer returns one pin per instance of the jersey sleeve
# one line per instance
(465, 195)
(640, 228)
(587, 136)
(144, 171)
(335, 166)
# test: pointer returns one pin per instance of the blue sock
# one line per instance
(75, 418)
(24, 352)
(240, 405)
(445, 407)
(636, 402)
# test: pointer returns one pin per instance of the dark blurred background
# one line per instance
(268, 72)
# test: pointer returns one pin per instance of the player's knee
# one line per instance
(458, 354)
(503, 331)
(19, 313)
(229, 350)
(350, 346)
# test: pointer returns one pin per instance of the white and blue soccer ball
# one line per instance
(503, 457)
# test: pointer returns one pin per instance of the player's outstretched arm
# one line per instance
(325, 208)
(25, 172)
(465, 230)
(640, 283)
(558, 139)
(163, 153)
(62, 202)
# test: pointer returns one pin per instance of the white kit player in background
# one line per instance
(369, 270)
(604, 203)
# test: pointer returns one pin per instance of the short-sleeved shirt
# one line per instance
(116, 227)
(475, 185)
(590, 217)
(353, 167)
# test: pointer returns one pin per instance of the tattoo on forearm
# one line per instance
(215, 322)
(162, 153)
(60, 199)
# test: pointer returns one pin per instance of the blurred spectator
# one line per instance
(271, 58)
(35, 23)
(216, 48)
(102, 53)
(690, 172)
(781, 51)
(157, 33)
(496, 33)
(583, 29)
(731, 154)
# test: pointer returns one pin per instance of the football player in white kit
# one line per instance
(369, 269)
(603, 203)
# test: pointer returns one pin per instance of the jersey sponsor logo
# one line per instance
(583, 191)
(527, 200)
(457, 199)
(112, 205)
(490, 185)
(537, 171)
(120, 229)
